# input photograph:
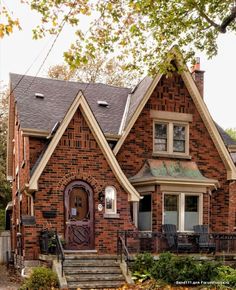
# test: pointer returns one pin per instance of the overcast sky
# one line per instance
(18, 52)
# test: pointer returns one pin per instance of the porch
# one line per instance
(134, 242)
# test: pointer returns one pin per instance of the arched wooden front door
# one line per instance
(79, 226)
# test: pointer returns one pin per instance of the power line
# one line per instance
(61, 26)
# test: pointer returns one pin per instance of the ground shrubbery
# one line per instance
(172, 269)
(41, 279)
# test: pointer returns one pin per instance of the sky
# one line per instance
(19, 52)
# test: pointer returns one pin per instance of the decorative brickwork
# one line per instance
(172, 95)
(78, 157)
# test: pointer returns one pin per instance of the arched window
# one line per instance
(110, 200)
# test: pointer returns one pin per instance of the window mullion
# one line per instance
(170, 138)
(181, 212)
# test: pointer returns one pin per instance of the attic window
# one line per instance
(102, 103)
(39, 95)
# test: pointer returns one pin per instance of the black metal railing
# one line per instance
(60, 252)
(157, 242)
(122, 250)
(50, 243)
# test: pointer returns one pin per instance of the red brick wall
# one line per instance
(172, 95)
(77, 156)
(36, 145)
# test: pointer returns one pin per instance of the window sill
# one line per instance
(111, 215)
(154, 154)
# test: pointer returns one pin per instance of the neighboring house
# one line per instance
(92, 159)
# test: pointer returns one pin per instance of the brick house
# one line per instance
(92, 159)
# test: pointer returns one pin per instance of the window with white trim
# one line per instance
(171, 138)
(110, 200)
(183, 210)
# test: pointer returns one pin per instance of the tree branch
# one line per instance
(228, 19)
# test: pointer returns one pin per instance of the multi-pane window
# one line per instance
(183, 210)
(171, 138)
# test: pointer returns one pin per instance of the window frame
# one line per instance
(170, 137)
(113, 210)
(181, 208)
(151, 212)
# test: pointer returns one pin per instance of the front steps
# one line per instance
(92, 272)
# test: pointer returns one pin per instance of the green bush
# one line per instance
(171, 268)
(143, 263)
(227, 275)
(41, 279)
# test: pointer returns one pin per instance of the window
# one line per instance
(183, 209)
(171, 138)
(179, 136)
(145, 213)
(160, 141)
(110, 200)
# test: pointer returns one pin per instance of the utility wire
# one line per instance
(61, 26)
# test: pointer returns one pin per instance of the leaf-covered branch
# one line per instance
(7, 23)
(140, 32)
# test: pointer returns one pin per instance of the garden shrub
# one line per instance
(41, 279)
(227, 275)
(143, 263)
(171, 268)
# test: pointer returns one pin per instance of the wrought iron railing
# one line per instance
(122, 250)
(50, 243)
(60, 252)
(157, 242)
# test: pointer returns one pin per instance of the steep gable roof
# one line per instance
(81, 103)
(42, 113)
(201, 107)
(137, 95)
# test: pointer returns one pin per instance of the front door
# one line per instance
(79, 234)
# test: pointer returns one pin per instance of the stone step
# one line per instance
(92, 270)
(90, 257)
(95, 285)
(91, 263)
(96, 277)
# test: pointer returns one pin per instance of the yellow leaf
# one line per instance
(1, 33)
(9, 28)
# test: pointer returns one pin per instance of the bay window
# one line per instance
(183, 210)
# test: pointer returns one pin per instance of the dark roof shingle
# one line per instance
(42, 114)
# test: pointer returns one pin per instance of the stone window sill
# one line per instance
(172, 155)
(111, 215)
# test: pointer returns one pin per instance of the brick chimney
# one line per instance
(198, 76)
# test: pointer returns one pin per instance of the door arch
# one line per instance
(79, 216)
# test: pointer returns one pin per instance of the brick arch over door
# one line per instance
(72, 176)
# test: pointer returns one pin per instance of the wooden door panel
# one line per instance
(79, 216)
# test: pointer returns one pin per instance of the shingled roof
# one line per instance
(226, 137)
(43, 113)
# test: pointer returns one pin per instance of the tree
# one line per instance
(7, 23)
(96, 70)
(231, 132)
(5, 190)
(141, 31)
